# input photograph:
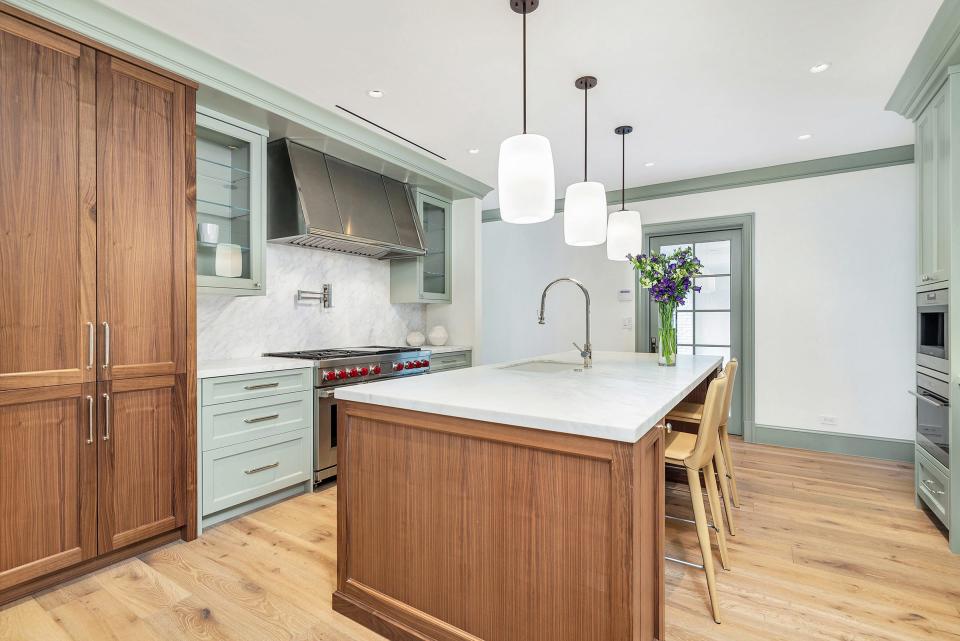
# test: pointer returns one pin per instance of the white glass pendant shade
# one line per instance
(624, 235)
(525, 179)
(585, 214)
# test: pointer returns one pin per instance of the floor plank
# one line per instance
(828, 547)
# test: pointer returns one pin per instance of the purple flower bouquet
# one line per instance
(670, 281)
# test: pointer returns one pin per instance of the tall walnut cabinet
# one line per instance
(97, 372)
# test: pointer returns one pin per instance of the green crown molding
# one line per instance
(928, 69)
(106, 25)
(749, 177)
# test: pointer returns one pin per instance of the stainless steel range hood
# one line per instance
(315, 200)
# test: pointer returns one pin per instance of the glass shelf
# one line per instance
(233, 170)
(200, 243)
(223, 210)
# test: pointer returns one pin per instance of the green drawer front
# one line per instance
(933, 487)
(450, 360)
(239, 473)
(240, 421)
(226, 389)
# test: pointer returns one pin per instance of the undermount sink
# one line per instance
(544, 367)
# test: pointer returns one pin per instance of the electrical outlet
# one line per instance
(827, 421)
(628, 322)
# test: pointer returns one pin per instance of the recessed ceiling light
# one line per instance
(473, 151)
(804, 136)
(375, 93)
(820, 68)
(649, 164)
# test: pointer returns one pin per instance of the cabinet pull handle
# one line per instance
(263, 468)
(931, 487)
(91, 345)
(106, 416)
(262, 386)
(106, 345)
(260, 419)
(89, 419)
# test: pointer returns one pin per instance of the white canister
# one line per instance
(438, 335)
(415, 339)
(229, 261)
(208, 233)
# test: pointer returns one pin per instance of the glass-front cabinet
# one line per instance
(426, 279)
(231, 205)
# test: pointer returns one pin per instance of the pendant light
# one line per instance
(585, 203)
(624, 232)
(525, 175)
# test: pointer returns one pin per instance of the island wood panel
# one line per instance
(143, 461)
(47, 207)
(142, 204)
(453, 529)
(47, 481)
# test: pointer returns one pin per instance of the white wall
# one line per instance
(234, 327)
(835, 261)
(462, 317)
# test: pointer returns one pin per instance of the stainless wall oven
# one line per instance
(933, 417)
(932, 319)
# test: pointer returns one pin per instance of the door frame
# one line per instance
(746, 373)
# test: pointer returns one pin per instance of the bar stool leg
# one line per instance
(711, 482)
(728, 459)
(703, 533)
(724, 488)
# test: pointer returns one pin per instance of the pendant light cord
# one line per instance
(524, 72)
(585, 132)
(623, 174)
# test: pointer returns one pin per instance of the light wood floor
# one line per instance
(832, 548)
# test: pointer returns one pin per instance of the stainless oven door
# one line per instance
(324, 435)
(933, 418)
(932, 320)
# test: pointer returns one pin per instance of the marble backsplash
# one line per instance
(238, 327)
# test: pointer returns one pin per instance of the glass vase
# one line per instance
(667, 335)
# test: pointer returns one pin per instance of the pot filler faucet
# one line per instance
(586, 351)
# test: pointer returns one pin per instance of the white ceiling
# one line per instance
(709, 86)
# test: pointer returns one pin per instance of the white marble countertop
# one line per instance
(252, 365)
(620, 398)
(444, 349)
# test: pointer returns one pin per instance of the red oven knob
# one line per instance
(376, 369)
(329, 376)
(397, 367)
(409, 365)
(424, 363)
(353, 372)
(341, 373)
(364, 371)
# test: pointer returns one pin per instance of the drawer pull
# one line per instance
(260, 419)
(263, 468)
(932, 488)
(262, 386)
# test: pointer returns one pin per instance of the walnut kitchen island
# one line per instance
(511, 502)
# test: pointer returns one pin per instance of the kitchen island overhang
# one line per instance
(453, 527)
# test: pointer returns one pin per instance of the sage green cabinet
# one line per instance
(427, 279)
(231, 205)
(932, 155)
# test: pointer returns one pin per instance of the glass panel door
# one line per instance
(435, 265)
(710, 320)
(229, 207)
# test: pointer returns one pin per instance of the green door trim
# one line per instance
(747, 374)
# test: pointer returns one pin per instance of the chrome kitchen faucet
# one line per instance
(586, 351)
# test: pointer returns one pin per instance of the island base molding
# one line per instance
(459, 530)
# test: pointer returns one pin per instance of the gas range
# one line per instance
(347, 366)
(335, 368)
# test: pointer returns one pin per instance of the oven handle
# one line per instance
(325, 393)
(924, 397)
